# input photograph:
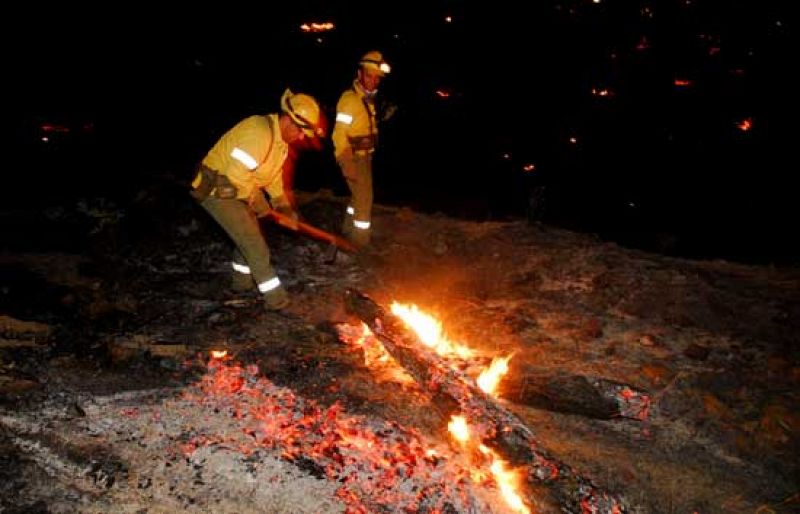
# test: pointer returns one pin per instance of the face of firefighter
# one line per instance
(290, 131)
(369, 79)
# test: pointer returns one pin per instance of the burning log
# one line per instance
(593, 397)
(497, 428)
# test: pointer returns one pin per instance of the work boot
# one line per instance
(242, 282)
(276, 299)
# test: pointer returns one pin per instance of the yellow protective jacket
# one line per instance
(251, 155)
(355, 122)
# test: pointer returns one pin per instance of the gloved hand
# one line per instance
(387, 111)
(225, 188)
(289, 217)
(203, 183)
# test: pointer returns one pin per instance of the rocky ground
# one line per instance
(102, 306)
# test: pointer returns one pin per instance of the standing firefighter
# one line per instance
(231, 180)
(354, 139)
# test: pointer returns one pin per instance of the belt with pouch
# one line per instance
(363, 143)
(209, 182)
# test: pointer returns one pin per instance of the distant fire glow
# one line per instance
(601, 91)
(317, 27)
(745, 125)
(219, 354)
(529, 168)
(442, 93)
(47, 127)
(682, 82)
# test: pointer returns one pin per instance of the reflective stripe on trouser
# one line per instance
(238, 265)
(358, 173)
(241, 224)
(242, 279)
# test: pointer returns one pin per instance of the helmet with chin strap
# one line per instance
(305, 113)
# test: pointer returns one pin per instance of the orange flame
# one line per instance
(317, 27)
(491, 376)
(506, 480)
(219, 354)
(458, 428)
(374, 352)
(429, 330)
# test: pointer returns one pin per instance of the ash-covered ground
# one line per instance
(108, 310)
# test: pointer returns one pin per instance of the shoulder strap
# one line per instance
(271, 124)
(370, 116)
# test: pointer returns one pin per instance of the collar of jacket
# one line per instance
(358, 88)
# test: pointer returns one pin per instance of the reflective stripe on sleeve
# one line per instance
(245, 158)
(363, 225)
(269, 285)
(343, 117)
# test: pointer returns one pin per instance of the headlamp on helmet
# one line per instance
(373, 60)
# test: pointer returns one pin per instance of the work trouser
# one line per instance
(357, 171)
(251, 254)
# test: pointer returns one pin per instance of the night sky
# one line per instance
(660, 125)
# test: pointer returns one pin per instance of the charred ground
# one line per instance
(113, 298)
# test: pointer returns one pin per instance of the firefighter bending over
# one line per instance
(245, 162)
